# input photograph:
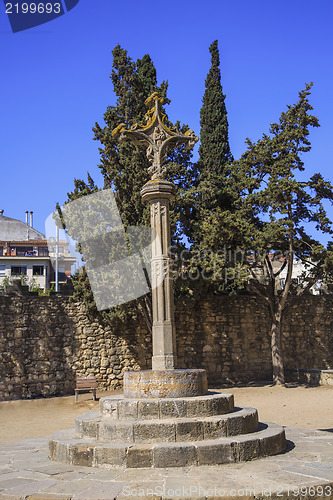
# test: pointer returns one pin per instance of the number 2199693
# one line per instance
(33, 8)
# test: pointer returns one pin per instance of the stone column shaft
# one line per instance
(159, 140)
(159, 193)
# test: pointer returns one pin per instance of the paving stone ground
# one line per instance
(304, 471)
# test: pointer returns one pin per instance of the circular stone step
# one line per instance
(241, 421)
(67, 448)
(118, 407)
(179, 383)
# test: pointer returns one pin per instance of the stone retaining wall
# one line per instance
(46, 341)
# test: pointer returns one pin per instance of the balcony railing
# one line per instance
(15, 252)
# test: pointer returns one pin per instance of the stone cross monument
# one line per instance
(159, 140)
(165, 417)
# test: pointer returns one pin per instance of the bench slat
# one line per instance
(85, 384)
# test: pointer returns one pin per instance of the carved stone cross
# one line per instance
(159, 140)
(155, 136)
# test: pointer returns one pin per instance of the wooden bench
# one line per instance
(85, 384)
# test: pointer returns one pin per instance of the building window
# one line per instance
(43, 251)
(1, 250)
(24, 251)
(18, 270)
(2, 270)
(38, 270)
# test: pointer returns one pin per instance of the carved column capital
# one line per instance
(159, 190)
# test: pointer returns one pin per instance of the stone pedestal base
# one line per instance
(165, 383)
(167, 432)
(166, 418)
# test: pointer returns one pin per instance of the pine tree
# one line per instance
(276, 215)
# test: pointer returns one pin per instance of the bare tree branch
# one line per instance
(145, 309)
(281, 268)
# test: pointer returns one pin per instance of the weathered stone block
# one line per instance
(90, 428)
(139, 456)
(82, 455)
(87, 424)
(154, 431)
(175, 408)
(165, 383)
(246, 421)
(215, 428)
(174, 455)
(248, 449)
(198, 407)
(110, 455)
(235, 425)
(52, 449)
(251, 422)
(273, 441)
(127, 409)
(222, 404)
(116, 431)
(109, 407)
(189, 430)
(60, 452)
(148, 409)
(214, 453)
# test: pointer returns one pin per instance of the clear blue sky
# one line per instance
(55, 81)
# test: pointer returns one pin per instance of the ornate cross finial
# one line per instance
(156, 136)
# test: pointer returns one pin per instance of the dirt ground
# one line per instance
(293, 406)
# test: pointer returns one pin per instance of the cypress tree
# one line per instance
(214, 151)
(214, 192)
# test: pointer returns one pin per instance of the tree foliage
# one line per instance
(214, 191)
(214, 151)
(204, 193)
(246, 221)
(278, 214)
(125, 167)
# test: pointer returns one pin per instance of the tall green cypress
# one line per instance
(214, 191)
(214, 151)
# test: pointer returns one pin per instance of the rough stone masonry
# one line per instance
(46, 341)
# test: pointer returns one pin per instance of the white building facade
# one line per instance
(24, 253)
